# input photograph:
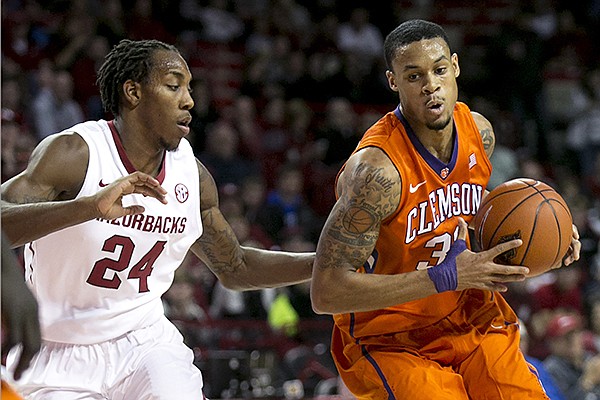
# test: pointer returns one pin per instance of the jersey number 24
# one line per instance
(140, 270)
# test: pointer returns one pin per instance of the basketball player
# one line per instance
(418, 315)
(107, 210)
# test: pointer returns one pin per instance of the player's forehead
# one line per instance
(168, 63)
(421, 53)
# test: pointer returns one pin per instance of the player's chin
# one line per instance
(173, 145)
(439, 123)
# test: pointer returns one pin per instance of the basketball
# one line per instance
(529, 210)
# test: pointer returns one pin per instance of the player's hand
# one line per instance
(19, 312)
(21, 327)
(479, 271)
(108, 201)
(574, 249)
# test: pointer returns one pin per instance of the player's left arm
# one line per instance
(239, 267)
(486, 131)
(489, 141)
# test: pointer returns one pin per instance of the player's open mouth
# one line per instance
(435, 107)
(184, 125)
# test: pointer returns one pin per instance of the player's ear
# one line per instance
(454, 60)
(391, 78)
(131, 92)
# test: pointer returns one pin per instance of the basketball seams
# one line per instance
(557, 220)
(507, 216)
(533, 227)
(508, 212)
(512, 190)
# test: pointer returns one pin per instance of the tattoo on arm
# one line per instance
(487, 136)
(353, 228)
(216, 245)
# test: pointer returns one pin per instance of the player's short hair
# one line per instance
(129, 59)
(408, 32)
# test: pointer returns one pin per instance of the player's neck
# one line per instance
(142, 155)
(438, 143)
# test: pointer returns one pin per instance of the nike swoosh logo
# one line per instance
(413, 189)
(496, 326)
(102, 184)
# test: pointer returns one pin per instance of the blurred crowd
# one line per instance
(283, 91)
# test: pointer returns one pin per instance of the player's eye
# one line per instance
(173, 87)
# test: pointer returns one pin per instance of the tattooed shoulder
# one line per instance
(487, 136)
(374, 189)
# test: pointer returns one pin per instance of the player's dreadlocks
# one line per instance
(127, 60)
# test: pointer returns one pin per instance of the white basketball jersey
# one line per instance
(101, 279)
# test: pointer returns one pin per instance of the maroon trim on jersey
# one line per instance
(123, 155)
(429, 158)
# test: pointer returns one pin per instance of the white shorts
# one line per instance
(148, 364)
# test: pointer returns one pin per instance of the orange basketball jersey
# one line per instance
(425, 225)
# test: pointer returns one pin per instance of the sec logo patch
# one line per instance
(181, 192)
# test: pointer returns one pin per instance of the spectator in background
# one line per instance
(583, 133)
(214, 21)
(244, 118)
(54, 107)
(17, 145)
(361, 43)
(292, 19)
(576, 372)
(77, 28)
(592, 312)
(253, 194)
(111, 22)
(204, 113)
(326, 76)
(141, 23)
(19, 43)
(273, 138)
(339, 134)
(17, 138)
(84, 71)
(359, 40)
(233, 209)
(286, 210)
(12, 101)
(299, 126)
(181, 306)
(547, 380)
(557, 291)
(221, 155)
(563, 292)
(259, 40)
(515, 59)
(296, 75)
(231, 304)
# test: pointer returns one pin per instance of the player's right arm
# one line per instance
(41, 199)
(370, 191)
